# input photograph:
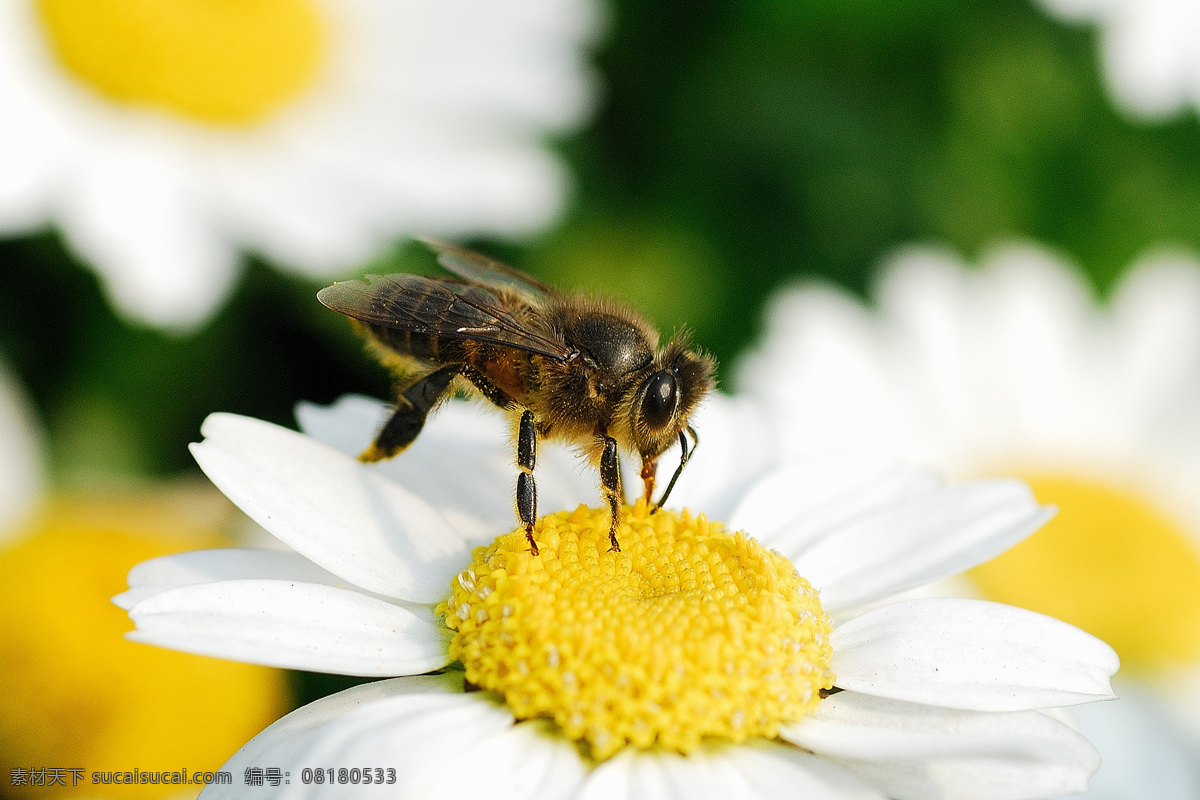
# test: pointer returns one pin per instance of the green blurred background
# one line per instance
(737, 146)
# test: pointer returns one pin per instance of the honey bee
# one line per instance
(563, 367)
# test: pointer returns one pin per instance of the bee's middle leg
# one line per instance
(526, 451)
(610, 484)
(412, 406)
(526, 486)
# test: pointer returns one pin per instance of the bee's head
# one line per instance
(678, 380)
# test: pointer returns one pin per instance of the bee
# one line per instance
(563, 367)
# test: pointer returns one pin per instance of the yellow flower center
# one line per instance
(76, 693)
(690, 631)
(222, 62)
(1112, 564)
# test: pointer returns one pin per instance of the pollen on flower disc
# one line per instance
(223, 63)
(689, 632)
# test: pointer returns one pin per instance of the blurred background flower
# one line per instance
(162, 137)
(1150, 50)
(692, 160)
(76, 694)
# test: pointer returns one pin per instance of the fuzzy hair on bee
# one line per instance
(566, 367)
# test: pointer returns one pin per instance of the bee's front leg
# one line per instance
(526, 487)
(684, 455)
(649, 470)
(610, 484)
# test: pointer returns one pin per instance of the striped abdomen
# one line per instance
(429, 348)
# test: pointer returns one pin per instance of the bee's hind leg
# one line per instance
(412, 406)
(610, 485)
(526, 486)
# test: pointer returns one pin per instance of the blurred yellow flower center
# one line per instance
(1112, 564)
(76, 693)
(688, 632)
(222, 62)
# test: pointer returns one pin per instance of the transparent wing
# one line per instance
(480, 269)
(438, 308)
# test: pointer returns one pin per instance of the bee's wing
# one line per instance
(480, 269)
(437, 308)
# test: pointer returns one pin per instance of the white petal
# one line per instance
(862, 727)
(32, 152)
(765, 770)
(821, 376)
(670, 775)
(530, 760)
(285, 743)
(207, 566)
(1033, 319)
(292, 624)
(1155, 327)
(917, 540)
(794, 505)
(333, 510)
(1149, 51)
(463, 463)
(438, 741)
(610, 780)
(662, 775)
(916, 751)
(778, 771)
(348, 424)
(132, 213)
(439, 750)
(990, 362)
(970, 654)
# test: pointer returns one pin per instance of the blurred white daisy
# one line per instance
(1150, 48)
(695, 662)
(164, 138)
(1014, 369)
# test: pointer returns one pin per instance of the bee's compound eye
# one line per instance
(662, 394)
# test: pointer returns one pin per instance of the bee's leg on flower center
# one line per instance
(526, 487)
(649, 470)
(610, 484)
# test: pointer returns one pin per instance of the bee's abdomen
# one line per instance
(421, 346)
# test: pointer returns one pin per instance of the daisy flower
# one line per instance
(1015, 369)
(1151, 50)
(76, 695)
(162, 138)
(695, 662)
